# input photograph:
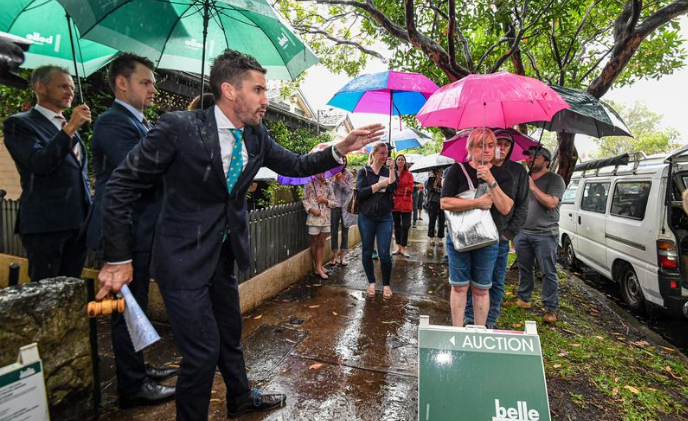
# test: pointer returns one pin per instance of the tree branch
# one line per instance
(533, 64)
(451, 46)
(582, 23)
(341, 41)
(557, 56)
(625, 46)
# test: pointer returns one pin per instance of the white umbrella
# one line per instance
(430, 162)
(408, 139)
(265, 174)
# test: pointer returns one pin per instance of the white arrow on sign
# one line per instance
(453, 341)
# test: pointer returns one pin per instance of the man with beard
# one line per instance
(52, 164)
(539, 236)
(207, 159)
(512, 225)
(115, 133)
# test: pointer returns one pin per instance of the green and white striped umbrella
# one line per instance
(45, 23)
(171, 32)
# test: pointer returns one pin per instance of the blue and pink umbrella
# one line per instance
(389, 92)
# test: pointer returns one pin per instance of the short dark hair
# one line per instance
(231, 66)
(125, 65)
(43, 74)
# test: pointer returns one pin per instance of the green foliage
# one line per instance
(649, 136)
(13, 100)
(301, 141)
(628, 378)
(564, 43)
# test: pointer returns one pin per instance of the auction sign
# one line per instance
(478, 374)
(22, 388)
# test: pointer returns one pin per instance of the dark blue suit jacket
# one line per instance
(56, 194)
(184, 148)
(115, 133)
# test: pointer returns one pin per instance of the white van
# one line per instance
(622, 217)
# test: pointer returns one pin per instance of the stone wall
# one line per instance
(52, 313)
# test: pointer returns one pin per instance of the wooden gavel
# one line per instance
(105, 307)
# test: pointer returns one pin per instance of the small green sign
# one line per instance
(477, 374)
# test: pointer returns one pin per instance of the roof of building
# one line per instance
(331, 117)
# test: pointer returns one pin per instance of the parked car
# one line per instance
(623, 218)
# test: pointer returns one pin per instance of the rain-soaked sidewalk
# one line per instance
(336, 354)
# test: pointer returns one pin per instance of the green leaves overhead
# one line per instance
(563, 42)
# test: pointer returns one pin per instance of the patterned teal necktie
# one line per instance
(237, 163)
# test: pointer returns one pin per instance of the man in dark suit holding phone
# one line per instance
(115, 133)
(207, 159)
(52, 164)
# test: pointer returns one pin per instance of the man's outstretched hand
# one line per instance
(112, 277)
(358, 138)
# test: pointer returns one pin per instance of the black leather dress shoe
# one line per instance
(255, 401)
(160, 374)
(150, 393)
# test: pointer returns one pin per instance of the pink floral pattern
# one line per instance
(311, 191)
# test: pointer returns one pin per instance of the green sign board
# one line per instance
(22, 388)
(478, 374)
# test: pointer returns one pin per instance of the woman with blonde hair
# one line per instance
(474, 268)
(376, 183)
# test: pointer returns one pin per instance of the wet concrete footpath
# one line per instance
(337, 354)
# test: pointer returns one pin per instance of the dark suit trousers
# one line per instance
(206, 324)
(130, 368)
(52, 254)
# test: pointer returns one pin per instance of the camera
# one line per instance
(11, 57)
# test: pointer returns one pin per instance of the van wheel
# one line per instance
(569, 255)
(630, 288)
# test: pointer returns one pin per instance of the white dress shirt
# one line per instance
(57, 119)
(227, 140)
(137, 114)
(52, 116)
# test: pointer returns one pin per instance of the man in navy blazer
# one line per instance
(52, 165)
(203, 230)
(115, 133)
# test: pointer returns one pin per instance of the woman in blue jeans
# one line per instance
(474, 268)
(376, 183)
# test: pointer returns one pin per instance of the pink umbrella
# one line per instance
(455, 147)
(493, 100)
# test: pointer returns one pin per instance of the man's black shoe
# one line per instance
(255, 401)
(150, 393)
(160, 374)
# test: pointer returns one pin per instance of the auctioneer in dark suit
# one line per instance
(192, 264)
(55, 196)
(115, 133)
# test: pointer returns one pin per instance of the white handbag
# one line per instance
(471, 229)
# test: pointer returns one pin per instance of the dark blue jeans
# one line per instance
(543, 248)
(496, 290)
(370, 229)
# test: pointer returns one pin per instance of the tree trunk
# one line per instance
(568, 155)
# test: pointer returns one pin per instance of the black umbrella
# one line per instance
(587, 115)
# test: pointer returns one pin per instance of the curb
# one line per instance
(622, 314)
